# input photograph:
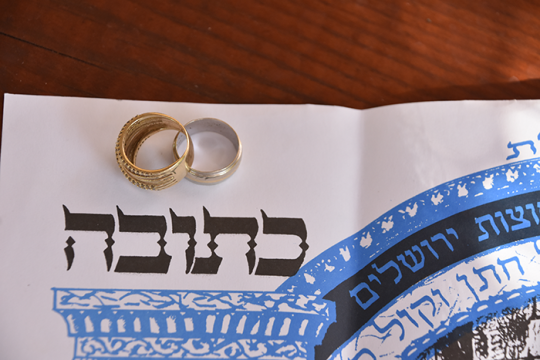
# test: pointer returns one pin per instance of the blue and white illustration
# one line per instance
(122, 324)
(451, 273)
(451, 257)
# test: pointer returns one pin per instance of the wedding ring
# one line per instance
(133, 135)
(212, 125)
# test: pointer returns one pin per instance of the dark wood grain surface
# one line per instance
(359, 54)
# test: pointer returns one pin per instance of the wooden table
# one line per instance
(358, 54)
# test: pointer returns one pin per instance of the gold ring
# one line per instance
(220, 127)
(130, 139)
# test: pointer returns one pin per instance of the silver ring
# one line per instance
(216, 126)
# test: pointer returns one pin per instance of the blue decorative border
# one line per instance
(331, 267)
(120, 324)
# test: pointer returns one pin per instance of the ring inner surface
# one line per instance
(141, 130)
(213, 125)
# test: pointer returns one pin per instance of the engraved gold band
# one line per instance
(220, 127)
(130, 139)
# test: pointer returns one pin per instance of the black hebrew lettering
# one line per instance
(283, 226)
(225, 225)
(70, 253)
(475, 236)
(89, 222)
(186, 225)
(144, 224)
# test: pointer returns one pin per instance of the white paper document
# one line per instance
(402, 232)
